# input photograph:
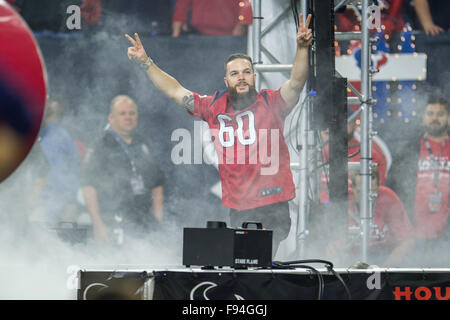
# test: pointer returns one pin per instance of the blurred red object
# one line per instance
(23, 87)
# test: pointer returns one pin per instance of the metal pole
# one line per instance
(372, 133)
(256, 4)
(273, 67)
(365, 136)
(250, 41)
(303, 183)
(274, 22)
(372, 164)
(347, 36)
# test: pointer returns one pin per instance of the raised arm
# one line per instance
(163, 81)
(291, 89)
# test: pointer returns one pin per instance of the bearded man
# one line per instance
(245, 124)
(421, 177)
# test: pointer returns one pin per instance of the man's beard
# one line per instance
(241, 101)
(436, 131)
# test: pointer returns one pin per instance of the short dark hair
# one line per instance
(436, 98)
(433, 97)
(235, 56)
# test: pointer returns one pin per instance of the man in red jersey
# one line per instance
(245, 124)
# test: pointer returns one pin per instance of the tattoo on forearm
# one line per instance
(188, 102)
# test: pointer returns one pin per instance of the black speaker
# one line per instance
(220, 246)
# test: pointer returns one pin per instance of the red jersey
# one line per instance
(214, 17)
(431, 210)
(254, 161)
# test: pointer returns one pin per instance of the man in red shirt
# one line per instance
(421, 177)
(245, 124)
(354, 155)
(431, 201)
(392, 238)
(212, 17)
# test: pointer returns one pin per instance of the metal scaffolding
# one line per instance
(363, 98)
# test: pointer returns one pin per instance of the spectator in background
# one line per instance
(420, 177)
(212, 17)
(434, 15)
(392, 239)
(354, 155)
(122, 181)
(58, 200)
